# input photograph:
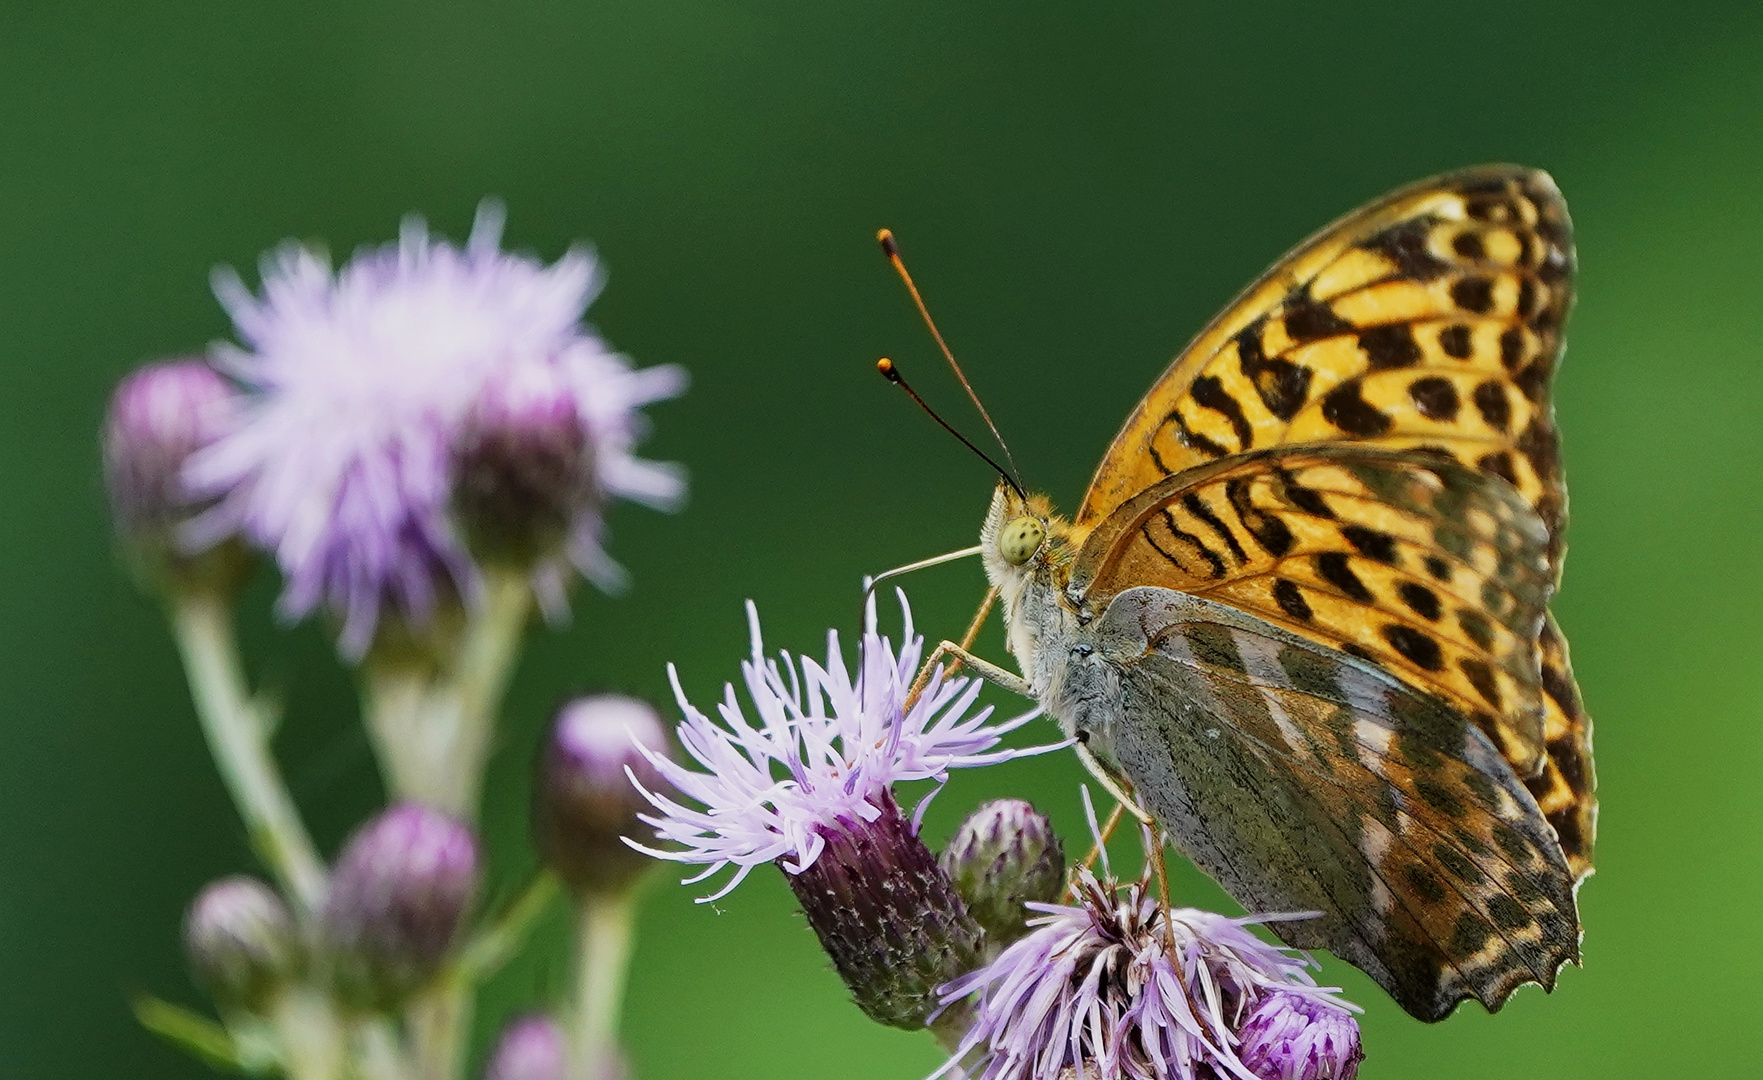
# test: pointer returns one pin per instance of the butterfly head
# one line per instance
(1022, 539)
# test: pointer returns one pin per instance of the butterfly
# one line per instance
(1303, 608)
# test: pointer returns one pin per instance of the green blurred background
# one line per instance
(1078, 188)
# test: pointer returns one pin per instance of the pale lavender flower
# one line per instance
(1105, 988)
(826, 749)
(811, 788)
(360, 383)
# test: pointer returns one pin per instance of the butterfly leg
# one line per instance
(985, 669)
(1153, 836)
(1110, 784)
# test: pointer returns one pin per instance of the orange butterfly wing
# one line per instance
(1428, 323)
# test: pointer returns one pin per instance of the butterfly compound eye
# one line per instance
(1021, 539)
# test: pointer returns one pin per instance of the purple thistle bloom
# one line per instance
(241, 942)
(361, 380)
(1301, 1037)
(1098, 988)
(161, 414)
(531, 1048)
(398, 898)
(824, 754)
(583, 803)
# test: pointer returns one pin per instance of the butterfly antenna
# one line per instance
(892, 373)
(892, 251)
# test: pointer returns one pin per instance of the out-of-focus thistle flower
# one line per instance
(531, 1048)
(810, 787)
(363, 383)
(241, 942)
(584, 803)
(1105, 988)
(1004, 856)
(524, 466)
(397, 901)
(161, 414)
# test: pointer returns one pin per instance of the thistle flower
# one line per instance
(1003, 856)
(161, 414)
(811, 789)
(583, 803)
(241, 942)
(397, 901)
(1109, 990)
(825, 750)
(344, 465)
(531, 1048)
(1301, 1037)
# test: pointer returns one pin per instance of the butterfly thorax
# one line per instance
(1041, 624)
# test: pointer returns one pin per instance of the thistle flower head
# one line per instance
(1004, 855)
(1293, 1036)
(583, 802)
(1107, 988)
(161, 414)
(397, 901)
(241, 942)
(344, 464)
(530, 1048)
(823, 751)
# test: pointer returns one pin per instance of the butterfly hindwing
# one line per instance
(1416, 563)
(1304, 780)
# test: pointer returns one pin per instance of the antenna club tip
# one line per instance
(887, 369)
(885, 237)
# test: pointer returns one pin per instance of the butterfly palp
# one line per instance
(1021, 538)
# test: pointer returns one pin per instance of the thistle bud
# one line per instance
(584, 803)
(159, 415)
(1004, 855)
(398, 897)
(888, 916)
(524, 466)
(1296, 1036)
(241, 942)
(531, 1048)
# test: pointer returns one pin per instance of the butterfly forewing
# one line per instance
(1431, 318)
(1429, 323)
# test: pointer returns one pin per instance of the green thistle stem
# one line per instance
(238, 730)
(439, 1020)
(605, 927)
(431, 729)
(313, 1040)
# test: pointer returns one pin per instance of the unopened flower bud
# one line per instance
(1004, 855)
(584, 803)
(241, 942)
(531, 1048)
(398, 897)
(888, 916)
(1295, 1036)
(159, 415)
(524, 466)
